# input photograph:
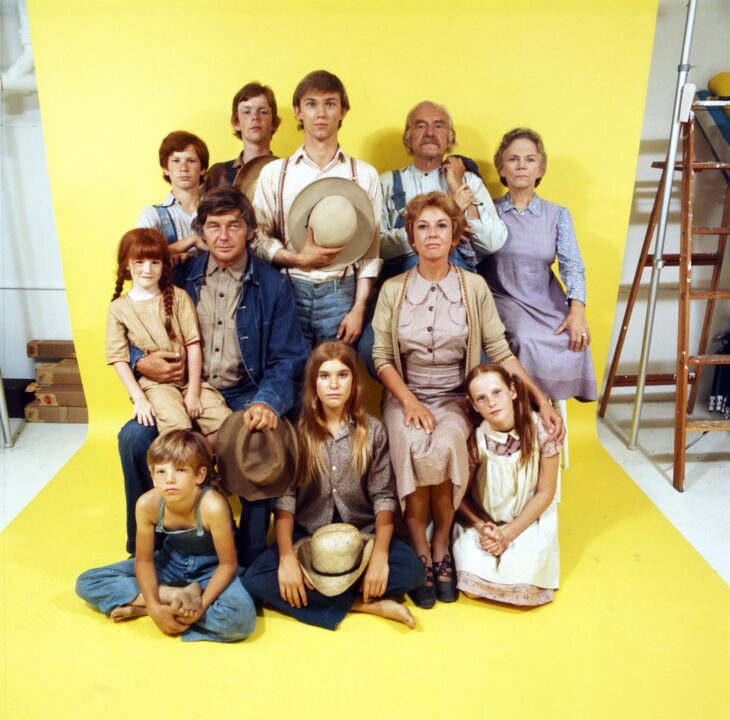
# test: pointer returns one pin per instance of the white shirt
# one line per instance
(183, 222)
(490, 233)
(302, 171)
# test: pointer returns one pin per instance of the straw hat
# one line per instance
(334, 557)
(247, 177)
(339, 212)
(256, 464)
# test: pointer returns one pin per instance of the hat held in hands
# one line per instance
(341, 216)
(334, 557)
(256, 464)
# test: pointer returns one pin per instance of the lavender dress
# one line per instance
(531, 301)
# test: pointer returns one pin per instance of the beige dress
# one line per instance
(432, 340)
(142, 324)
(529, 569)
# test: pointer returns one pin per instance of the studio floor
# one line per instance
(639, 629)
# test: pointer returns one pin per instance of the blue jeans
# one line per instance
(134, 442)
(261, 580)
(322, 305)
(391, 268)
(231, 617)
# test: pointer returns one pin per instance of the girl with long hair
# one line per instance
(506, 534)
(156, 315)
(431, 326)
(344, 476)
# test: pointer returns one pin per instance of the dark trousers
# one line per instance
(262, 582)
(134, 442)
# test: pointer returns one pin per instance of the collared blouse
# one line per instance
(357, 499)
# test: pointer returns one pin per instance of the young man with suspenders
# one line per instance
(331, 303)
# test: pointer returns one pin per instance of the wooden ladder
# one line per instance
(684, 260)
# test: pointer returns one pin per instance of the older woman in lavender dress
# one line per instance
(545, 326)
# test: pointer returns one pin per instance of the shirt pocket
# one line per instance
(457, 314)
(407, 314)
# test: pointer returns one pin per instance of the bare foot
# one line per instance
(186, 601)
(127, 612)
(386, 608)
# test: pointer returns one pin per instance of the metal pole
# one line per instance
(683, 72)
(4, 419)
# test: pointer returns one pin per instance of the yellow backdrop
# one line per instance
(640, 626)
(115, 77)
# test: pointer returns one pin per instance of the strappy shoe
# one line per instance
(425, 596)
(445, 589)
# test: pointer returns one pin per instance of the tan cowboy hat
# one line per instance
(256, 464)
(339, 212)
(334, 557)
(248, 175)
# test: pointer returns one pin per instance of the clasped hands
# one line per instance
(492, 538)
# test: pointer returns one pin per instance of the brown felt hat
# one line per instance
(256, 464)
(334, 557)
(247, 177)
(339, 212)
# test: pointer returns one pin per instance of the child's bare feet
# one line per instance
(386, 608)
(186, 601)
(127, 612)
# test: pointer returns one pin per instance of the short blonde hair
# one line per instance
(181, 447)
(444, 203)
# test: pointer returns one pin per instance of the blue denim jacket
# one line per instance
(269, 334)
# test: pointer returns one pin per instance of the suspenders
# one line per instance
(282, 178)
(399, 199)
(166, 223)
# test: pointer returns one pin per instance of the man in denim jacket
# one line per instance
(253, 349)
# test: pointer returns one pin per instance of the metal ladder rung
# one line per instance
(707, 425)
(709, 295)
(698, 259)
(651, 379)
(711, 231)
(699, 166)
(708, 360)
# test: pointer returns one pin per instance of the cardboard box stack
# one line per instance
(59, 396)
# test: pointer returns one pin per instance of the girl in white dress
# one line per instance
(505, 540)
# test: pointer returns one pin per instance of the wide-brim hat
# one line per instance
(256, 464)
(247, 177)
(357, 238)
(334, 557)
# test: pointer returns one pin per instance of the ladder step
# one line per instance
(651, 379)
(698, 259)
(707, 425)
(699, 166)
(709, 295)
(711, 231)
(708, 360)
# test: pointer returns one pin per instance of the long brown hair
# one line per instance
(147, 244)
(312, 426)
(524, 424)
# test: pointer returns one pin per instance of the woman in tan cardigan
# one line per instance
(431, 324)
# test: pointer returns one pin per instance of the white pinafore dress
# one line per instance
(532, 561)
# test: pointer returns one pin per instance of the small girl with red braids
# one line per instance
(505, 538)
(156, 315)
